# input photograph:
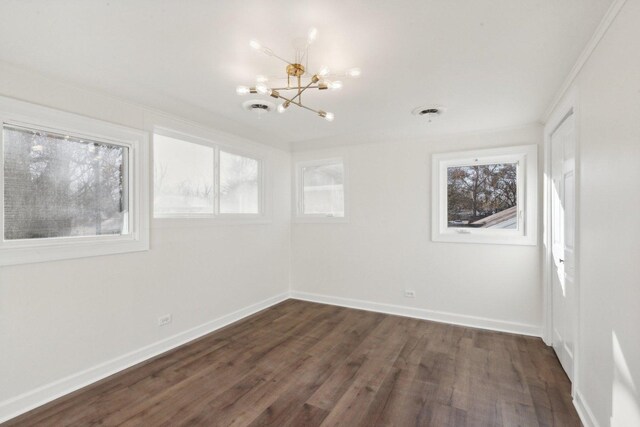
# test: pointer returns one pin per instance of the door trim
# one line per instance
(567, 107)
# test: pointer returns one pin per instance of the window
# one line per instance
(320, 189)
(183, 177)
(195, 178)
(72, 186)
(61, 186)
(239, 184)
(485, 196)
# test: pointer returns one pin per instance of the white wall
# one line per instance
(608, 113)
(60, 318)
(385, 247)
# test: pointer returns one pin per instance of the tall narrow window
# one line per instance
(239, 184)
(183, 177)
(321, 189)
(61, 186)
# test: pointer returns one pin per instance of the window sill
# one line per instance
(56, 251)
(482, 238)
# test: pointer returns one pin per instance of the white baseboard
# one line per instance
(25, 402)
(421, 313)
(20, 404)
(585, 413)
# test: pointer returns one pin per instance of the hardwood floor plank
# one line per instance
(308, 364)
(307, 416)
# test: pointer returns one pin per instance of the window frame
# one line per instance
(527, 198)
(299, 214)
(22, 251)
(169, 219)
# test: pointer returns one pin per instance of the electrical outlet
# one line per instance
(164, 320)
(408, 293)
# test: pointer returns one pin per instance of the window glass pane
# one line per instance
(323, 189)
(183, 177)
(238, 184)
(60, 186)
(483, 196)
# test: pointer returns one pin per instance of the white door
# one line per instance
(563, 296)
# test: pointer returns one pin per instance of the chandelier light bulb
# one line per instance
(312, 35)
(335, 85)
(242, 90)
(255, 44)
(354, 72)
(283, 107)
(262, 89)
(323, 71)
(327, 116)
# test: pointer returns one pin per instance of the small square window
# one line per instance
(321, 192)
(485, 196)
(239, 184)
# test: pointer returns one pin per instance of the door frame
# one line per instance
(568, 106)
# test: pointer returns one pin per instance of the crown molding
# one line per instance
(588, 50)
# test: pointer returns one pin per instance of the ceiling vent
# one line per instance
(430, 112)
(258, 106)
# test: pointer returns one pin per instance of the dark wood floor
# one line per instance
(306, 364)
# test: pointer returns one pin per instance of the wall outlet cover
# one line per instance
(164, 320)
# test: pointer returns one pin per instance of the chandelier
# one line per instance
(297, 77)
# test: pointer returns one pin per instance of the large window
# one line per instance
(195, 178)
(321, 189)
(60, 186)
(485, 196)
(71, 186)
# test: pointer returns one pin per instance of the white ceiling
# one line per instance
(492, 63)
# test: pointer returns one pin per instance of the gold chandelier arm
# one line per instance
(292, 101)
(267, 51)
(281, 59)
(314, 79)
(295, 88)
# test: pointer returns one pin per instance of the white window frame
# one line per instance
(526, 233)
(13, 112)
(216, 217)
(299, 214)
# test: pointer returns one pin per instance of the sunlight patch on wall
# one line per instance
(625, 410)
